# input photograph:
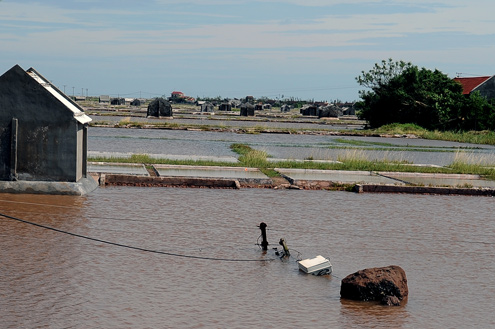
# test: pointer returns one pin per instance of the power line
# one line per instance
(132, 247)
(356, 232)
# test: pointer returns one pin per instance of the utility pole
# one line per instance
(73, 91)
(264, 242)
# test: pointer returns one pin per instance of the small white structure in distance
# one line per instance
(316, 266)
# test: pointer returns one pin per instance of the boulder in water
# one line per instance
(385, 284)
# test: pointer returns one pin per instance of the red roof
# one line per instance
(469, 84)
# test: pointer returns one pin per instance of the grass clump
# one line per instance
(254, 159)
(475, 137)
(141, 158)
(401, 128)
(126, 122)
(483, 165)
(250, 157)
(241, 149)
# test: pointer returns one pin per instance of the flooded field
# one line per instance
(128, 257)
(283, 146)
(198, 265)
(234, 122)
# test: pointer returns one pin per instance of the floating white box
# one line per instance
(316, 266)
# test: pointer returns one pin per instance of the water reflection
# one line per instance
(356, 314)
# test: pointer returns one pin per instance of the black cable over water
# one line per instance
(131, 247)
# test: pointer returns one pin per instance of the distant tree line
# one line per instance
(400, 92)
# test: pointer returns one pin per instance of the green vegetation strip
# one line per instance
(147, 160)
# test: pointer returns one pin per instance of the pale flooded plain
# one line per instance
(109, 141)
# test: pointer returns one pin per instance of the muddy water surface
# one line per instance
(48, 279)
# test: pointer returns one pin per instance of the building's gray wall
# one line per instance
(47, 152)
(48, 145)
(487, 89)
(5, 134)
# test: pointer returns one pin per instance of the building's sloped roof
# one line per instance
(71, 105)
(470, 84)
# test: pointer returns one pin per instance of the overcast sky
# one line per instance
(308, 49)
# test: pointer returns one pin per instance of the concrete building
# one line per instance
(43, 137)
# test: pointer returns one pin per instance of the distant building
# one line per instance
(309, 110)
(225, 107)
(180, 97)
(485, 85)
(159, 107)
(177, 95)
(318, 104)
(247, 109)
(348, 108)
(207, 107)
(104, 99)
(285, 108)
(329, 111)
(136, 102)
(117, 101)
(235, 103)
(43, 137)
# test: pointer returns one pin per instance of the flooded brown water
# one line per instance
(446, 246)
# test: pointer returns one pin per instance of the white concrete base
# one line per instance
(82, 187)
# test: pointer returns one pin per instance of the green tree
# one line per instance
(381, 74)
(400, 92)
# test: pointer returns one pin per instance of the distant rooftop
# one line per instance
(469, 84)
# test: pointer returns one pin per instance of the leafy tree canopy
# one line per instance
(400, 92)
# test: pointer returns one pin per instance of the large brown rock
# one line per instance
(376, 284)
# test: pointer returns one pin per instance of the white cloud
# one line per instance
(329, 31)
(34, 31)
